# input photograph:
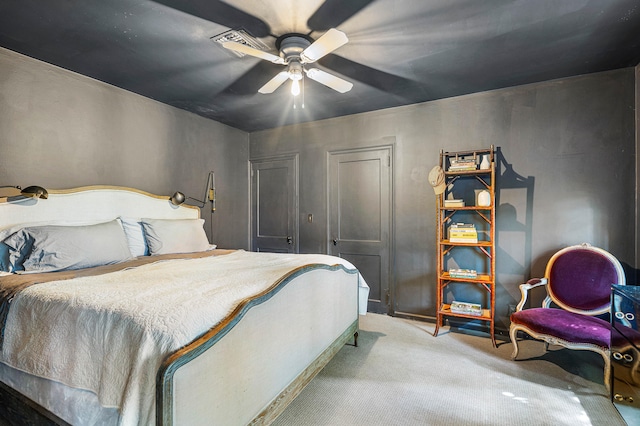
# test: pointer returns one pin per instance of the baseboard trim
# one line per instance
(458, 326)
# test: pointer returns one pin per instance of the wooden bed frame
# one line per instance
(239, 372)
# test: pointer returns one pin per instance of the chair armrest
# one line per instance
(524, 289)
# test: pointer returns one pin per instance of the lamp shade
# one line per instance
(177, 198)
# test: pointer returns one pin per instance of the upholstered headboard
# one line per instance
(91, 204)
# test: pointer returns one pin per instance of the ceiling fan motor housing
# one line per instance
(291, 46)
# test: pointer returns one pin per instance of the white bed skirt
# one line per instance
(55, 397)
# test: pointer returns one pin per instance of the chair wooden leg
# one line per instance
(513, 334)
(607, 370)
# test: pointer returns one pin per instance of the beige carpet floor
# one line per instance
(401, 375)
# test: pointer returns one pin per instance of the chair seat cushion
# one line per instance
(574, 328)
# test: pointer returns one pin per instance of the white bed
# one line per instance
(182, 357)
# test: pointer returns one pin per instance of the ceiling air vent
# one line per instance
(242, 37)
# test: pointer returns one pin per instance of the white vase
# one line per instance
(485, 164)
(484, 198)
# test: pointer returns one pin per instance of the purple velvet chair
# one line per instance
(578, 281)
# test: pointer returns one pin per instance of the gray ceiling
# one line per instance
(399, 51)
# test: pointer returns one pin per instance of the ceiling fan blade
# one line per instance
(248, 50)
(221, 13)
(327, 43)
(333, 13)
(329, 80)
(274, 83)
(403, 88)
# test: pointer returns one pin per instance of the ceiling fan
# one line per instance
(297, 50)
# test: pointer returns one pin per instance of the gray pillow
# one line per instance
(58, 248)
(5, 258)
(13, 252)
(175, 235)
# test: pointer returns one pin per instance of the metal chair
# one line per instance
(578, 281)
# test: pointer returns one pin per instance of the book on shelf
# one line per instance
(463, 160)
(468, 240)
(463, 226)
(466, 308)
(454, 203)
(463, 233)
(462, 164)
(462, 168)
(463, 273)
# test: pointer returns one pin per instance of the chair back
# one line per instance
(580, 278)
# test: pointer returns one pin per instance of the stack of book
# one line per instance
(466, 308)
(463, 233)
(454, 203)
(463, 273)
(462, 164)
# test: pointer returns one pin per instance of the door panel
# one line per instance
(274, 208)
(360, 217)
(359, 200)
(273, 219)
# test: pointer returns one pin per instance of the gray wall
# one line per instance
(567, 151)
(61, 130)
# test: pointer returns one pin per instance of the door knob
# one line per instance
(335, 242)
(289, 240)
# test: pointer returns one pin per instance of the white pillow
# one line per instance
(175, 235)
(12, 229)
(58, 248)
(135, 236)
(11, 259)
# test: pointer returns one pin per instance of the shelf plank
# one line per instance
(472, 208)
(478, 244)
(467, 172)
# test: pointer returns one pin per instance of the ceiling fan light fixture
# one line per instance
(295, 74)
(295, 70)
(295, 87)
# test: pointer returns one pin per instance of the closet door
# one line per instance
(274, 205)
(360, 217)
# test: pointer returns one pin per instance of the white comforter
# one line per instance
(108, 334)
